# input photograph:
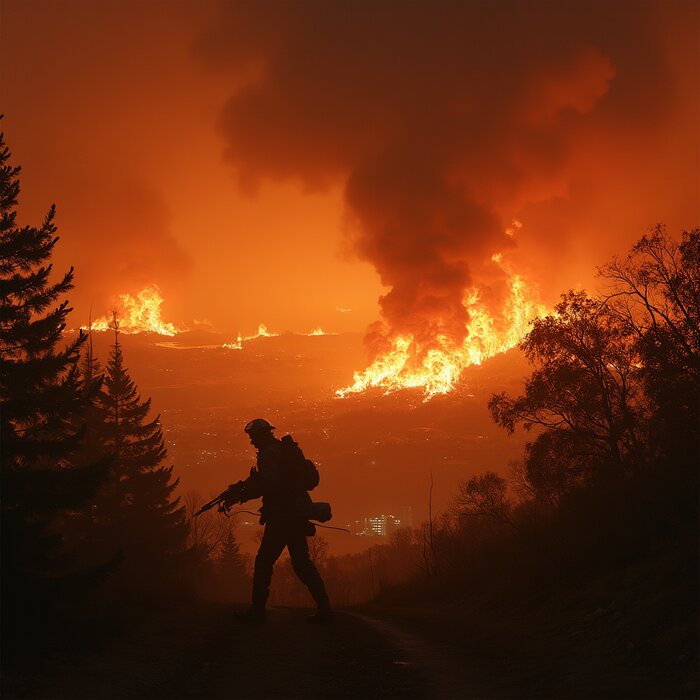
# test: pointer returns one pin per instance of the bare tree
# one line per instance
(485, 495)
(655, 291)
(207, 531)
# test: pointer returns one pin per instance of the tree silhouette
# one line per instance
(615, 387)
(655, 294)
(585, 392)
(42, 404)
(136, 509)
(233, 568)
(485, 496)
(82, 529)
(207, 531)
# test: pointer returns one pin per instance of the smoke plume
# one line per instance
(447, 120)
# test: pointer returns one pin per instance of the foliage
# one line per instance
(135, 511)
(233, 567)
(484, 495)
(616, 379)
(207, 531)
(610, 477)
(655, 294)
(585, 392)
(613, 398)
(42, 416)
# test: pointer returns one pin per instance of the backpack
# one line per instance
(302, 472)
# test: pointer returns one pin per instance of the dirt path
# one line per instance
(207, 653)
(203, 652)
(446, 675)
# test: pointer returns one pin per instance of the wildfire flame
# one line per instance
(238, 345)
(140, 314)
(262, 333)
(441, 365)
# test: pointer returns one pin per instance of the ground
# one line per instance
(204, 652)
(631, 634)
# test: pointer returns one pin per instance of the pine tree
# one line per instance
(81, 530)
(90, 368)
(233, 569)
(41, 411)
(137, 511)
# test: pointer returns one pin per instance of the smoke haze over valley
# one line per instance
(375, 452)
(451, 246)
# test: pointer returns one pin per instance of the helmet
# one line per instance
(257, 426)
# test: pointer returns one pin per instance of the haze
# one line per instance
(289, 163)
(343, 165)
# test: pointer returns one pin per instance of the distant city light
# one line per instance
(384, 525)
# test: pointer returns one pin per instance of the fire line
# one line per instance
(437, 369)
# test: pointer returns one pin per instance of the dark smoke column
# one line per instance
(445, 121)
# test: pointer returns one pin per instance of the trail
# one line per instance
(446, 675)
(356, 657)
(213, 655)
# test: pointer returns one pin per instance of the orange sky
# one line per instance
(113, 119)
(269, 162)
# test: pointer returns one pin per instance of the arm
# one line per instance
(240, 492)
(235, 493)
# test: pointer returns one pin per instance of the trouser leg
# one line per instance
(272, 545)
(307, 572)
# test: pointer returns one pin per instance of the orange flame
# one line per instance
(140, 314)
(237, 345)
(440, 367)
(262, 333)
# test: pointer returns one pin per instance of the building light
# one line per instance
(380, 525)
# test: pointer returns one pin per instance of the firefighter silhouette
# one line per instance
(285, 512)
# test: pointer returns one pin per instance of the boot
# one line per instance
(322, 616)
(252, 616)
